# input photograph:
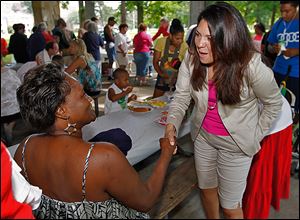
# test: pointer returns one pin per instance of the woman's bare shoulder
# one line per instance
(107, 150)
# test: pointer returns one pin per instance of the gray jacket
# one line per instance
(245, 122)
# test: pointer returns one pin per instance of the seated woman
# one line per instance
(10, 111)
(86, 68)
(79, 179)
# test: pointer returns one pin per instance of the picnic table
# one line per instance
(142, 127)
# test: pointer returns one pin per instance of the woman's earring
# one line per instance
(70, 129)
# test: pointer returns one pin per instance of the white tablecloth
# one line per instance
(141, 127)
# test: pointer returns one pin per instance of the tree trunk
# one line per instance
(89, 9)
(81, 13)
(140, 12)
(195, 8)
(47, 11)
(273, 16)
(123, 12)
(101, 4)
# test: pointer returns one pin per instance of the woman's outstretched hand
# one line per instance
(170, 134)
(167, 147)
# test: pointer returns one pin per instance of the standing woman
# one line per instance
(227, 80)
(93, 41)
(122, 43)
(142, 43)
(167, 50)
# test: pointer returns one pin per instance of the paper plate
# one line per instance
(140, 109)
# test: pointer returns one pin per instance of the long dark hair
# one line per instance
(232, 50)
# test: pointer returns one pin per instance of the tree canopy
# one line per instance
(265, 12)
(155, 10)
(150, 12)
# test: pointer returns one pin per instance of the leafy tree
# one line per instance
(153, 11)
(265, 12)
(27, 6)
(73, 18)
(16, 7)
(104, 12)
(64, 4)
(10, 30)
(257, 11)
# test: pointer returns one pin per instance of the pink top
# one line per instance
(142, 42)
(212, 122)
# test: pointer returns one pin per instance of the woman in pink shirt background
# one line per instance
(142, 43)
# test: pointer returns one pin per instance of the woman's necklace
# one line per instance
(62, 133)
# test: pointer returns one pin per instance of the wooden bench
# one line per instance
(178, 185)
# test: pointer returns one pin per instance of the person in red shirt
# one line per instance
(163, 29)
(10, 207)
(4, 50)
(259, 33)
(43, 27)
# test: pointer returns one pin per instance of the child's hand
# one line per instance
(129, 89)
(133, 97)
(276, 48)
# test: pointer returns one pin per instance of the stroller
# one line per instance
(291, 98)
